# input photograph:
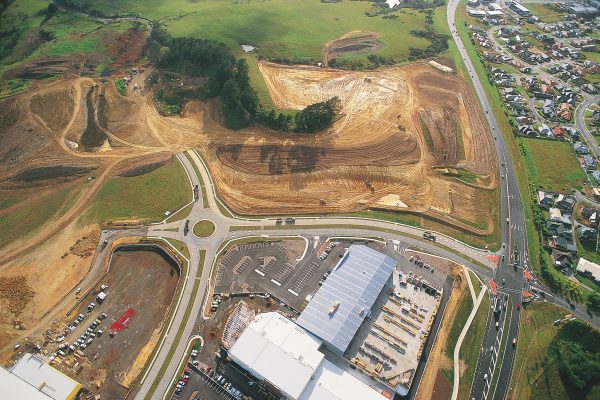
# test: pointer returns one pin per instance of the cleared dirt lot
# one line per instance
(140, 279)
(399, 130)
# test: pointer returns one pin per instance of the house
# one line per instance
(558, 132)
(545, 131)
(580, 148)
(545, 200)
(565, 203)
(562, 259)
(596, 175)
(589, 163)
(591, 214)
(586, 234)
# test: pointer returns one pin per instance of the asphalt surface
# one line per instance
(513, 234)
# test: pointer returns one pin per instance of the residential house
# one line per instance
(589, 163)
(562, 259)
(558, 132)
(545, 200)
(596, 175)
(580, 148)
(586, 234)
(565, 203)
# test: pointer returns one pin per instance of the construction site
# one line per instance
(109, 335)
(408, 139)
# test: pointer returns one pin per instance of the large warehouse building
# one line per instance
(32, 378)
(287, 358)
(340, 306)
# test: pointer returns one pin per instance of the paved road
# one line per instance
(513, 233)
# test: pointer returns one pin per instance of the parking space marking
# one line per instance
(259, 272)
(275, 282)
(292, 292)
(302, 279)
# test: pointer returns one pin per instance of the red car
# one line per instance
(518, 307)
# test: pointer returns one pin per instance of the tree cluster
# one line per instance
(439, 44)
(317, 116)
(577, 352)
(229, 78)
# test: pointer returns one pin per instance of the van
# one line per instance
(61, 353)
(90, 340)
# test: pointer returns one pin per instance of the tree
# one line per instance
(594, 301)
(579, 368)
(235, 117)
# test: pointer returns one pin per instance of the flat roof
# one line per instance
(275, 349)
(333, 383)
(593, 268)
(32, 378)
(353, 285)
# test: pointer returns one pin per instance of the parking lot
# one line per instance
(141, 284)
(273, 267)
(222, 380)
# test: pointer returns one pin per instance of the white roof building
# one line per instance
(587, 266)
(32, 378)
(274, 349)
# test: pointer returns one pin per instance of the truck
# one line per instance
(100, 298)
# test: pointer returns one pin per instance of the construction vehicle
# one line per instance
(186, 228)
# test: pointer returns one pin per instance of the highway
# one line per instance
(512, 219)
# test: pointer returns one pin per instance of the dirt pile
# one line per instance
(15, 293)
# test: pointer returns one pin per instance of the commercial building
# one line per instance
(361, 336)
(589, 268)
(287, 359)
(32, 378)
(519, 9)
(477, 13)
(340, 306)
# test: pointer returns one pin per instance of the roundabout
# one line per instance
(204, 228)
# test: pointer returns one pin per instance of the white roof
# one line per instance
(279, 351)
(333, 383)
(494, 13)
(32, 378)
(584, 265)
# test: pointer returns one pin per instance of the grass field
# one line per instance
(533, 376)
(544, 12)
(552, 165)
(66, 33)
(27, 219)
(165, 188)
(462, 314)
(279, 28)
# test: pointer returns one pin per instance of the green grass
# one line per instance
(204, 228)
(279, 28)
(544, 12)
(533, 376)
(121, 88)
(10, 198)
(587, 281)
(466, 305)
(477, 286)
(14, 86)
(179, 245)
(28, 219)
(181, 214)
(471, 346)
(244, 228)
(552, 165)
(145, 197)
